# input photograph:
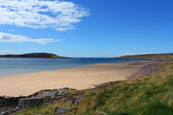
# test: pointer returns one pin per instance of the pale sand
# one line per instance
(77, 78)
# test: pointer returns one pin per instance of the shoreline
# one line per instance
(61, 68)
(84, 77)
(19, 74)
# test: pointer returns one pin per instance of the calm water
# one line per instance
(14, 66)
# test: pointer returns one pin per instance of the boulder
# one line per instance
(61, 110)
(76, 100)
(4, 113)
(30, 102)
(51, 93)
(9, 101)
(10, 105)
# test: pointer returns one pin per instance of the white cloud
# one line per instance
(5, 37)
(56, 14)
(5, 51)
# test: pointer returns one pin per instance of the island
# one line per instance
(32, 55)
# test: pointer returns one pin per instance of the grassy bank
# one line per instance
(149, 95)
(166, 56)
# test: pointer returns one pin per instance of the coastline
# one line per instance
(79, 78)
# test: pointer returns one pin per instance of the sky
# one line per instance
(86, 28)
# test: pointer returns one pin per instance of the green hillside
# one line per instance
(164, 56)
(32, 55)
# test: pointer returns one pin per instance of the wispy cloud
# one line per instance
(5, 37)
(5, 51)
(56, 14)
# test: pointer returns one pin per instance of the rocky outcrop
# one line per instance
(51, 93)
(30, 102)
(9, 101)
(43, 97)
(12, 105)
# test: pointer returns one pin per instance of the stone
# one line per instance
(61, 110)
(30, 102)
(12, 105)
(9, 101)
(76, 100)
(4, 113)
(51, 93)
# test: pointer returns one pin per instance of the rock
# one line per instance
(4, 113)
(61, 110)
(17, 109)
(76, 100)
(12, 105)
(51, 93)
(30, 102)
(61, 91)
(9, 101)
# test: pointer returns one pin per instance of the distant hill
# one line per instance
(32, 55)
(164, 56)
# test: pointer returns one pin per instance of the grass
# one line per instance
(43, 110)
(150, 95)
(151, 56)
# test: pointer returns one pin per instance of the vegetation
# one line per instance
(167, 56)
(149, 95)
(32, 55)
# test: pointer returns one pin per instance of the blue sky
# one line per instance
(86, 28)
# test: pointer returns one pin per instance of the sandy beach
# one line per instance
(78, 78)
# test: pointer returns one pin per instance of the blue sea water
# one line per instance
(15, 66)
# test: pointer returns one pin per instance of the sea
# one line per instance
(16, 66)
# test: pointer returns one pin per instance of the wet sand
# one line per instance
(78, 78)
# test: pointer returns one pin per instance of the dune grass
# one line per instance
(150, 95)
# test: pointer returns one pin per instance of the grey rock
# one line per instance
(9, 101)
(30, 102)
(17, 109)
(4, 113)
(61, 110)
(12, 105)
(51, 93)
(76, 100)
